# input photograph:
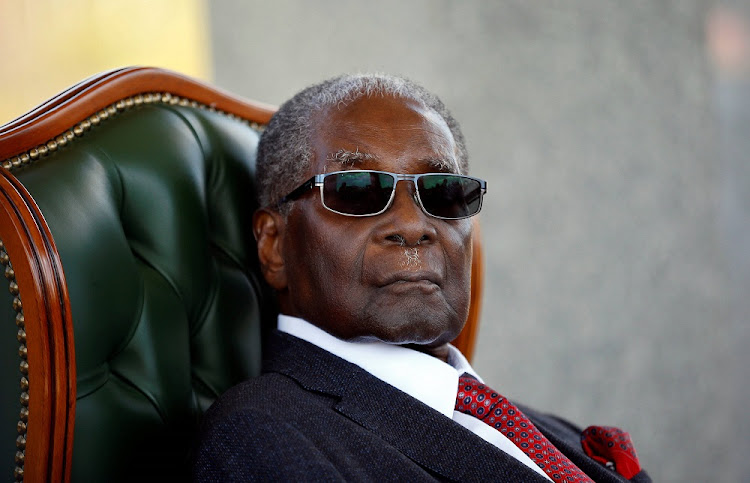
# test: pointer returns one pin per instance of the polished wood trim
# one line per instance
(90, 96)
(466, 340)
(49, 333)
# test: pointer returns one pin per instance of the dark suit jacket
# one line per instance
(314, 416)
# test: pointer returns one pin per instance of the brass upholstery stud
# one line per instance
(78, 130)
(52, 145)
(21, 425)
(34, 153)
(138, 100)
(43, 150)
(103, 114)
(61, 140)
(86, 124)
(8, 164)
(129, 102)
(15, 162)
(94, 119)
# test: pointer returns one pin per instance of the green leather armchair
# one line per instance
(134, 293)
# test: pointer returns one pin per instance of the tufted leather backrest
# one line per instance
(153, 209)
(125, 237)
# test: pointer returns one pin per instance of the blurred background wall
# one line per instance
(613, 136)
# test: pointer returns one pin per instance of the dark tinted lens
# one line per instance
(357, 193)
(450, 196)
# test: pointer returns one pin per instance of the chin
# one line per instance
(422, 333)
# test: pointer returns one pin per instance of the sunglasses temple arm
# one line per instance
(299, 191)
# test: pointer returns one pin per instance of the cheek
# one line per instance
(458, 253)
(457, 243)
(324, 268)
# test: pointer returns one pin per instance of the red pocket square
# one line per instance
(611, 447)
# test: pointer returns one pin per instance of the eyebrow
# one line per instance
(443, 164)
(344, 156)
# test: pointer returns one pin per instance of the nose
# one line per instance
(405, 222)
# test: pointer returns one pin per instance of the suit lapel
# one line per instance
(425, 436)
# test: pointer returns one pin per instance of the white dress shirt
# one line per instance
(419, 375)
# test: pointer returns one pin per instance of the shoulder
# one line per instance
(257, 393)
(272, 397)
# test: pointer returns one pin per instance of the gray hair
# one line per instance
(284, 152)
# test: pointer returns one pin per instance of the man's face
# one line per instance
(401, 276)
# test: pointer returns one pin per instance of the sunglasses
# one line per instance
(368, 193)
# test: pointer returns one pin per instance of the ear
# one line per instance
(268, 228)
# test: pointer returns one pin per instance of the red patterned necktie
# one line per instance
(490, 407)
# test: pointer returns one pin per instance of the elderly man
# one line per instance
(365, 236)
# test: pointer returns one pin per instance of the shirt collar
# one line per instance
(419, 375)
